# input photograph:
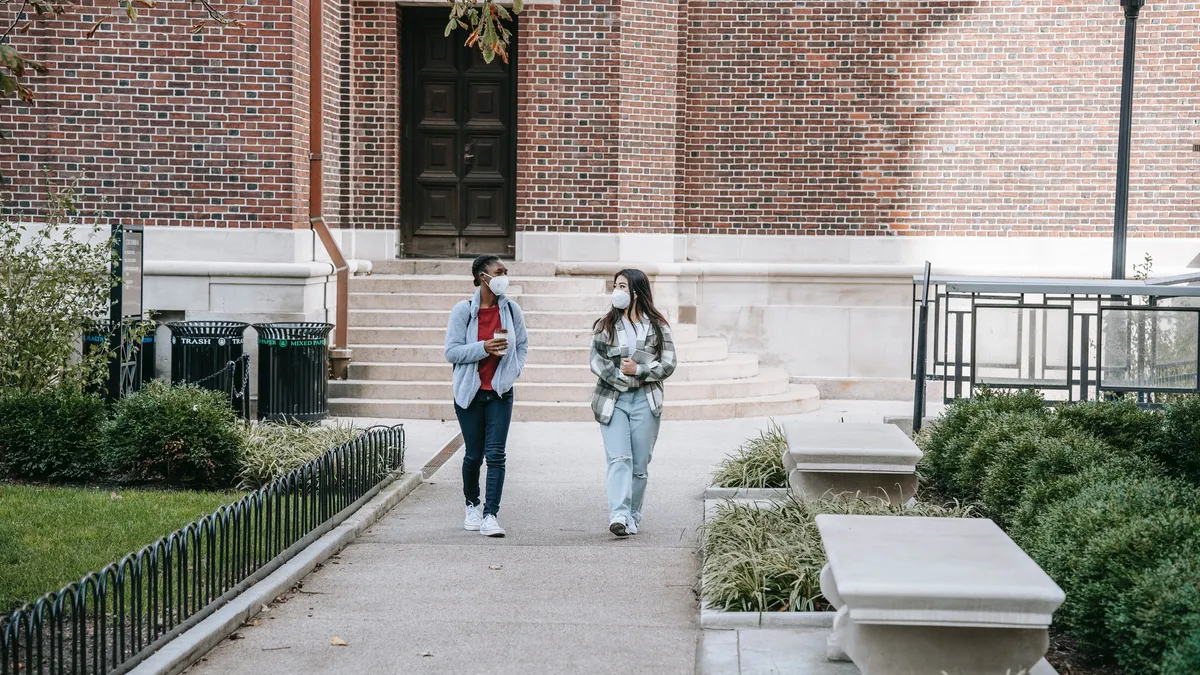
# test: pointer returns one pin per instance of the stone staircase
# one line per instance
(398, 321)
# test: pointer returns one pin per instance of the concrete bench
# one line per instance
(925, 596)
(824, 459)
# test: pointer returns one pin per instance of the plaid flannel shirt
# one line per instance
(606, 364)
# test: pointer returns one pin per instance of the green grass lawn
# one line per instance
(51, 536)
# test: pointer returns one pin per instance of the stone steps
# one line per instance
(420, 318)
(595, 303)
(798, 399)
(735, 366)
(433, 283)
(768, 382)
(704, 349)
(545, 337)
(398, 320)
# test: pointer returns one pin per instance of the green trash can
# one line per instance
(211, 355)
(293, 371)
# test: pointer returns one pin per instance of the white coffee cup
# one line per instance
(502, 335)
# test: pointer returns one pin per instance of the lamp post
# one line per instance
(1120, 219)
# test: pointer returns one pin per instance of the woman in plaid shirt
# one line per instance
(632, 354)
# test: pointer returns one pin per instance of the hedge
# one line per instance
(51, 436)
(1105, 496)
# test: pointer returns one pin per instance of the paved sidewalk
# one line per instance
(418, 594)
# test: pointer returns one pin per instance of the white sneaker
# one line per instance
(491, 528)
(619, 527)
(631, 527)
(474, 518)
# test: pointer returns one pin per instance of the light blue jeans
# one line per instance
(629, 444)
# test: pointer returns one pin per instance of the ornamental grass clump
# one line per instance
(758, 463)
(273, 450)
(769, 559)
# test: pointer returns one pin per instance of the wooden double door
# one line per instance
(458, 149)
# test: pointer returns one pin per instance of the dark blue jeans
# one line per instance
(484, 426)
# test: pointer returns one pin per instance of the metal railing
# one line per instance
(111, 620)
(1071, 339)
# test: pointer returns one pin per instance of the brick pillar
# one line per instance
(372, 185)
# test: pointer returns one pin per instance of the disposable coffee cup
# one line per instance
(502, 335)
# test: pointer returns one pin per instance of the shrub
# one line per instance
(947, 440)
(1159, 611)
(1095, 543)
(272, 450)
(991, 433)
(51, 435)
(1184, 659)
(1120, 423)
(51, 287)
(181, 436)
(1178, 447)
(770, 559)
(758, 463)
(1024, 460)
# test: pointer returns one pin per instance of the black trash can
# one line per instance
(211, 355)
(293, 371)
(98, 338)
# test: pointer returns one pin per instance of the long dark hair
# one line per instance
(642, 300)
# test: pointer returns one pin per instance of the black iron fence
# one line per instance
(111, 620)
(1071, 339)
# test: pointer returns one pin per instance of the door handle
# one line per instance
(467, 156)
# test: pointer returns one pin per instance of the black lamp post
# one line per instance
(1120, 221)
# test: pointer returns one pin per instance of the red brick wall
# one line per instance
(373, 99)
(954, 117)
(567, 92)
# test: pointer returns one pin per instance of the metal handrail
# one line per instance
(113, 619)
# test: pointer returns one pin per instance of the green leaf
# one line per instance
(518, 5)
(131, 11)
(450, 27)
(8, 84)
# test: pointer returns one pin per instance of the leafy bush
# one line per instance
(946, 441)
(181, 436)
(1159, 611)
(1178, 447)
(272, 450)
(758, 463)
(991, 433)
(1029, 458)
(1184, 659)
(51, 435)
(51, 288)
(1120, 423)
(1095, 544)
(770, 559)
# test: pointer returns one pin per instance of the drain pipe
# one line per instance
(339, 356)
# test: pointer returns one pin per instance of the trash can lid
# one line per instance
(295, 330)
(208, 328)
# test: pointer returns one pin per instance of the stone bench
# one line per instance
(824, 459)
(926, 596)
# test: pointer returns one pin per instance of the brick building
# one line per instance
(781, 169)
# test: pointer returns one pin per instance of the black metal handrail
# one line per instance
(111, 620)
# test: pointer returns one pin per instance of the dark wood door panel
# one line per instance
(459, 150)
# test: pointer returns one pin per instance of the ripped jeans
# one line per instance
(629, 444)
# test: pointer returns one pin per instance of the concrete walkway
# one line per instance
(418, 594)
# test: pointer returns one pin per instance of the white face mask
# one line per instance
(620, 298)
(498, 284)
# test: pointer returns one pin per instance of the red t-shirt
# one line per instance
(489, 323)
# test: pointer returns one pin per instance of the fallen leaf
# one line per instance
(426, 654)
(338, 642)
(115, 497)
(495, 567)
(264, 608)
(253, 622)
(237, 636)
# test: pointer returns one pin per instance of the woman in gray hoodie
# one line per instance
(487, 343)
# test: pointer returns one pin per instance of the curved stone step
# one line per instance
(424, 318)
(798, 399)
(544, 337)
(768, 382)
(732, 367)
(702, 350)
(446, 301)
(436, 283)
(457, 267)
